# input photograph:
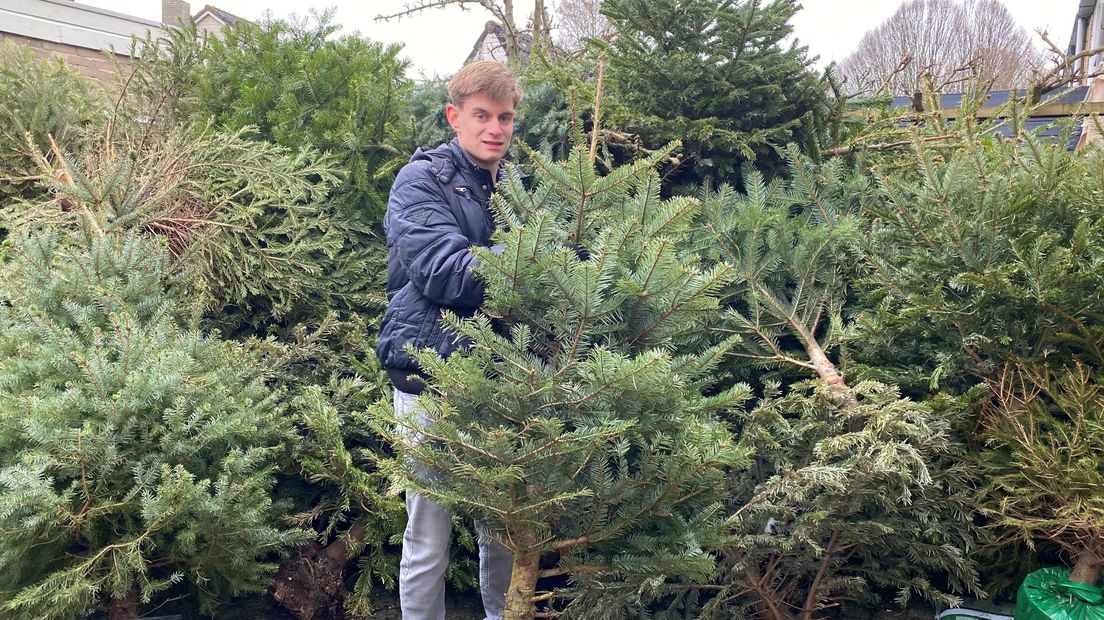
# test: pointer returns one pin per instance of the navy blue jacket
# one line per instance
(436, 212)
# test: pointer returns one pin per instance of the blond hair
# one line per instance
(488, 77)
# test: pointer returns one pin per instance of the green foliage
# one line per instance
(39, 99)
(986, 268)
(791, 245)
(336, 488)
(249, 238)
(1047, 432)
(338, 455)
(983, 251)
(294, 85)
(575, 420)
(157, 91)
(843, 501)
(136, 453)
(425, 114)
(546, 120)
(299, 84)
(245, 219)
(853, 489)
(287, 249)
(716, 74)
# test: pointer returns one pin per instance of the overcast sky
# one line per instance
(437, 41)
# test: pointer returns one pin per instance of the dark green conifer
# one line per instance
(719, 75)
(853, 487)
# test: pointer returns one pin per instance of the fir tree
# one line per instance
(425, 116)
(716, 74)
(790, 244)
(852, 487)
(249, 238)
(294, 85)
(1047, 431)
(575, 423)
(986, 280)
(983, 252)
(40, 100)
(298, 84)
(287, 250)
(334, 486)
(247, 220)
(137, 454)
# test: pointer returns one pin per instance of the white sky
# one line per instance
(437, 41)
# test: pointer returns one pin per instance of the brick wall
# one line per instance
(174, 12)
(90, 63)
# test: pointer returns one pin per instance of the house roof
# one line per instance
(1051, 127)
(73, 23)
(228, 19)
(998, 98)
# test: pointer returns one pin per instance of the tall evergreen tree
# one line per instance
(574, 423)
(248, 233)
(299, 83)
(284, 245)
(717, 74)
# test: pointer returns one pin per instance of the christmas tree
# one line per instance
(853, 487)
(136, 453)
(987, 274)
(574, 422)
(719, 75)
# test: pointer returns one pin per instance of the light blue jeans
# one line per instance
(425, 551)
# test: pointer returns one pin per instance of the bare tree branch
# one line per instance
(1065, 70)
(424, 5)
(954, 43)
(503, 13)
(579, 20)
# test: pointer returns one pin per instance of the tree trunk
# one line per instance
(523, 581)
(537, 40)
(123, 609)
(828, 373)
(1088, 567)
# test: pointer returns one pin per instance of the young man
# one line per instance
(436, 213)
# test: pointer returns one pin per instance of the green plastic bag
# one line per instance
(1046, 594)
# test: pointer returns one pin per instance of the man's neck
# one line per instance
(493, 169)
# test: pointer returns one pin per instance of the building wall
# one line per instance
(79, 33)
(209, 25)
(174, 12)
(89, 63)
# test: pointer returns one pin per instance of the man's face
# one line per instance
(483, 128)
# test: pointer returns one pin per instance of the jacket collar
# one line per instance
(448, 159)
(469, 166)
